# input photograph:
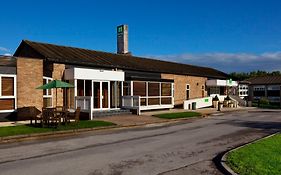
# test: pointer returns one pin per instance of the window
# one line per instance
(47, 93)
(214, 90)
(153, 89)
(88, 88)
(139, 88)
(187, 91)
(7, 93)
(166, 89)
(126, 88)
(152, 93)
(7, 85)
(80, 87)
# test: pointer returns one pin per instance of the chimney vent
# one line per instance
(122, 39)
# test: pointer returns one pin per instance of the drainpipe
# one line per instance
(280, 97)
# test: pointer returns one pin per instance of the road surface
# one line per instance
(185, 148)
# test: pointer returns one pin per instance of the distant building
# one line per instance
(243, 89)
(265, 87)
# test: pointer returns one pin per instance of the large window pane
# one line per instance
(166, 89)
(154, 101)
(7, 104)
(153, 89)
(44, 90)
(273, 93)
(80, 87)
(88, 88)
(7, 86)
(126, 89)
(96, 94)
(139, 88)
(166, 101)
(47, 102)
(143, 101)
(49, 91)
(105, 94)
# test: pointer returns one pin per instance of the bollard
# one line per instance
(219, 106)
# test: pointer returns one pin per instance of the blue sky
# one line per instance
(230, 35)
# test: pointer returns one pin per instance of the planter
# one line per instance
(215, 104)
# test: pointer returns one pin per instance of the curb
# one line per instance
(224, 157)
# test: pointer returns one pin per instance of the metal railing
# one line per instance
(146, 103)
(85, 103)
(131, 102)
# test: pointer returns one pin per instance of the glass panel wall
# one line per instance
(153, 93)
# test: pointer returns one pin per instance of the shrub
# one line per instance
(264, 101)
(216, 98)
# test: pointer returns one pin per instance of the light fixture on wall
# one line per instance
(197, 84)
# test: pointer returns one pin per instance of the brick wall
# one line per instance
(57, 74)
(180, 81)
(29, 76)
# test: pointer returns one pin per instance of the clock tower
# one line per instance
(122, 39)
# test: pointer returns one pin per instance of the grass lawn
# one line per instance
(29, 129)
(260, 158)
(178, 115)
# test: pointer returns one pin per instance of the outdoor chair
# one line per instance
(60, 108)
(49, 117)
(75, 115)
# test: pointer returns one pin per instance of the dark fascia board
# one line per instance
(124, 68)
(136, 78)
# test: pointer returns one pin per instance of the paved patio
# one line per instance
(129, 120)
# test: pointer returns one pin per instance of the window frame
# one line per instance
(187, 89)
(48, 79)
(14, 97)
(146, 98)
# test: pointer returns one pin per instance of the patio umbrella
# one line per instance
(55, 84)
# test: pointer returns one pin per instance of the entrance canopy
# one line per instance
(94, 74)
(217, 82)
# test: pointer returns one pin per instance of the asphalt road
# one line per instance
(185, 148)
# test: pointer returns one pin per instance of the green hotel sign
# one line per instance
(229, 82)
(120, 29)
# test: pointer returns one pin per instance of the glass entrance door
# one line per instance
(101, 95)
(105, 94)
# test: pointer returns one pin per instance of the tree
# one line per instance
(240, 76)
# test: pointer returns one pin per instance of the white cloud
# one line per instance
(229, 62)
(3, 49)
